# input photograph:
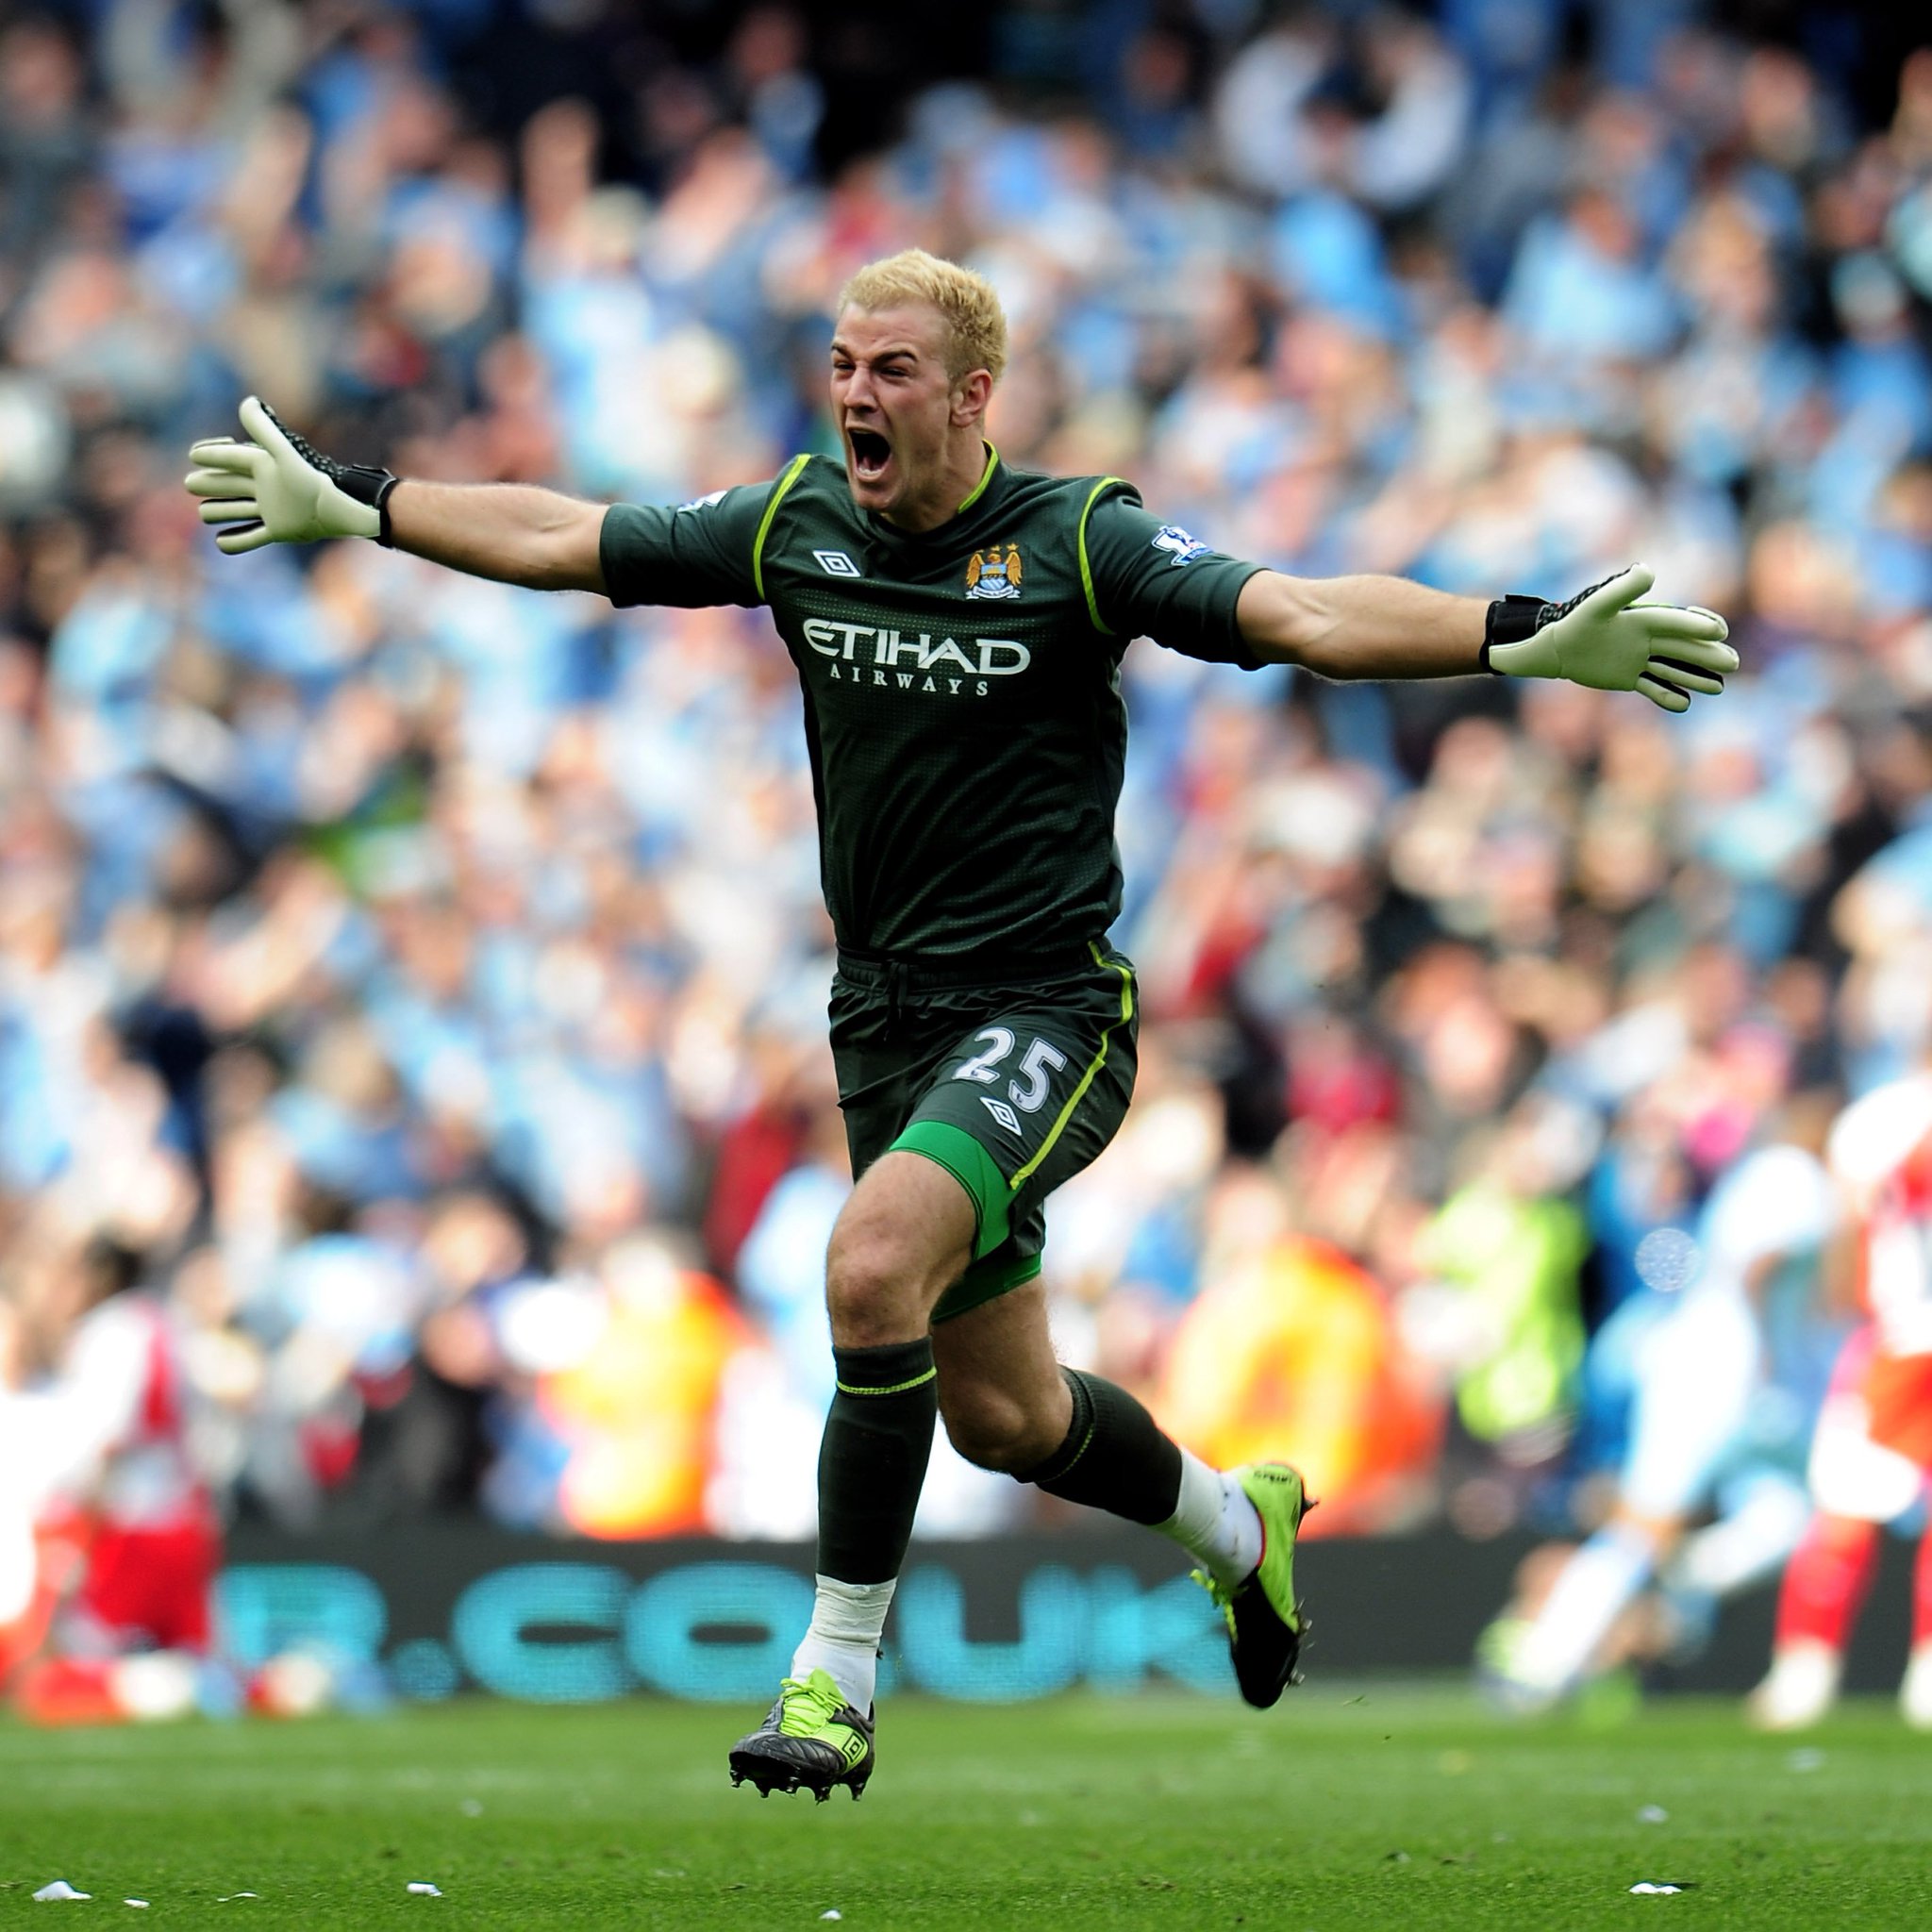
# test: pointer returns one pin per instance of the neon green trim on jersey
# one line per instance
(972, 1166)
(1099, 1059)
(897, 1387)
(1094, 496)
(758, 548)
(978, 489)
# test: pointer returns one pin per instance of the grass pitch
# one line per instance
(1348, 1806)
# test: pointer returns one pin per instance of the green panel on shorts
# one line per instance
(985, 1280)
(974, 1168)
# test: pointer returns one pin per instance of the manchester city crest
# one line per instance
(995, 571)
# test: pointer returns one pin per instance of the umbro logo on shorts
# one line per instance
(835, 563)
(1002, 1113)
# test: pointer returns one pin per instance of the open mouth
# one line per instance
(871, 453)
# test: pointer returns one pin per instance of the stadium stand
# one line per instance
(427, 976)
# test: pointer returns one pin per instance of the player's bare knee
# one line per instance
(886, 1264)
(873, 1291)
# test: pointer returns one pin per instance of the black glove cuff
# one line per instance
(369, 485)
(1510, 620)
(385, 536)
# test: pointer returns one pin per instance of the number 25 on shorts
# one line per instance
(1028, 1091)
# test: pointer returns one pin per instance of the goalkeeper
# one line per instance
(957, 627)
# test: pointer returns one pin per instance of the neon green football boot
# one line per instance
(1265, 1624)
(810, 1741)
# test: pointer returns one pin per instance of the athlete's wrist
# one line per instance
(374, 488)
(1511, 620)
(385, 508)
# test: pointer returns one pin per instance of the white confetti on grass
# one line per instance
(1653, 1814)
(229, 1898)
(1655, 1889)
(139, 1904)
(422, 1888)
(56, 1889)
(831, 1915)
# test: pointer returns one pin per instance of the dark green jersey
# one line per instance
(962, 699)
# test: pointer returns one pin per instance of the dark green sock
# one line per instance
(1115, 1458)
(872, 1460)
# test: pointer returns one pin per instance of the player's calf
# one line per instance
(1240, 1524)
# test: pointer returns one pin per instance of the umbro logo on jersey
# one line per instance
(1002, 1113)
(835, 563)
(995, 571)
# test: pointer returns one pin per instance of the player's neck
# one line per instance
(956, 487)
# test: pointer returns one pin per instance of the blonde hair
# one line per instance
(976, 324)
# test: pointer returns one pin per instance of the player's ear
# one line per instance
(971, 395)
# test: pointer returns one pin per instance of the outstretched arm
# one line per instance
(1361, 626)
(1608, 637)
(513, 532)
(1144, 577)
(278, 488)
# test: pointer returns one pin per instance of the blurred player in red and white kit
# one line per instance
(35, 1568)
(105, 1464)
(1872, 1455)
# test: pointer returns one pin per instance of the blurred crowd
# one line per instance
(426, 979)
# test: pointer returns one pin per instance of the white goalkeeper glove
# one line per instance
(278, 488)
(1607, 637)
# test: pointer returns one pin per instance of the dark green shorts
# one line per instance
(1011, 1087)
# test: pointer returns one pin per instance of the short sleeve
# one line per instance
(700, 553)
(1153, 579)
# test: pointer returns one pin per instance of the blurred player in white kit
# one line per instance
(1701, 1374)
